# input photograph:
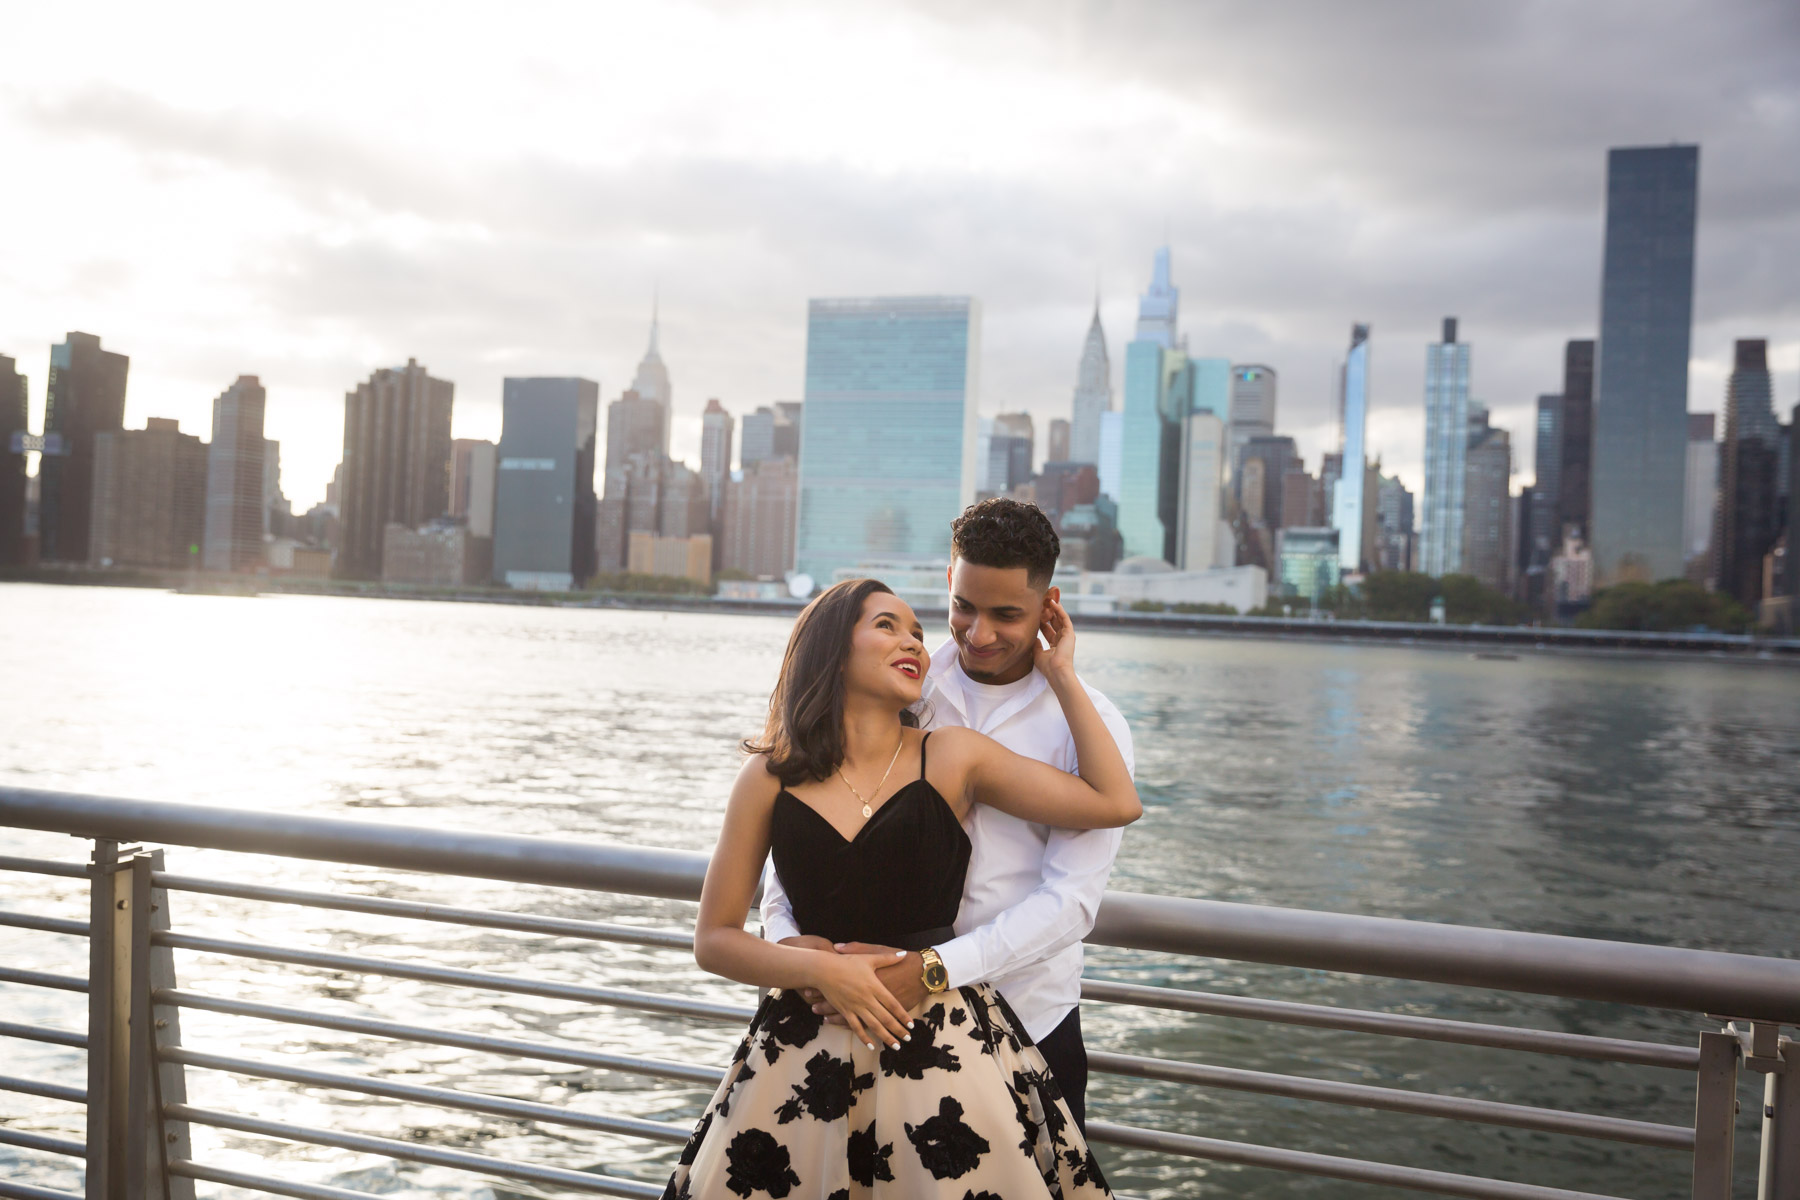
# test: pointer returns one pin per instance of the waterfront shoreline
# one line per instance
(1498, 640)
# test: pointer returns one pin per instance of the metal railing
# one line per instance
(139, 1118)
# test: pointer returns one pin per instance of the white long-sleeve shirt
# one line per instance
(1032, 891)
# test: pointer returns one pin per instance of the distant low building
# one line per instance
(671, 557)
(1572, 571)
(442, 553)
(1139, 579)
(1309, 561)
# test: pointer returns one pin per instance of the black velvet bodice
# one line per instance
(900, 877)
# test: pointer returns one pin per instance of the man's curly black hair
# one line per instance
(999, 532)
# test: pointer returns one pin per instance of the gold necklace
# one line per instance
(866, 810)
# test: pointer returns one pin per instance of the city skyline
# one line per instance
(524, 225)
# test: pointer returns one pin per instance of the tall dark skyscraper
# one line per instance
(1572, 487)
(235, 478)
(85, 396)
(396, 461)
(13, 417)
(544, 503)
(1639, 461)
(1748, 517)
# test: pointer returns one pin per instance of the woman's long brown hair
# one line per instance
(804, 737)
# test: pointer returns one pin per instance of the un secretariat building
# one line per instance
(887, 450)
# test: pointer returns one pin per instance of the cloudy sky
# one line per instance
(309, 192)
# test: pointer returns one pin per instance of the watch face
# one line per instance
(936, 978)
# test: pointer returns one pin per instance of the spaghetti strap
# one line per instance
(922, 742)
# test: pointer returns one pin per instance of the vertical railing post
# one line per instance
(1779, 1178)
(167, 1081)
(1715, 1115)
(109, 1016)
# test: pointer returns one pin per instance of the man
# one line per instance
(1032, 892)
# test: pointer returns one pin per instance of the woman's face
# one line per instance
(887, 659)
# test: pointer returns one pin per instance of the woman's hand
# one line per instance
(851, 986)
(1059, 633)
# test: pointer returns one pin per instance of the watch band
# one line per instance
(935, 977)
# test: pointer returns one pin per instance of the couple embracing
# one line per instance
(939, 829)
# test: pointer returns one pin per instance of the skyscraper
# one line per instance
(757, 525)
(1487, 506)
(1351, 506)
(756, 439)
(472, 477)
(652, 383)
(887, 450)
(150, 488)
(1093, 394)
(1573, 486)
(1141, 496)
(13, 417)
(1278, 456)
(1640, 380)
(1056, 448)
(1749, 515)
(1395, 514)
(1203, 540)
(396, 461)
(1253, 388)
(1697, 512)
(85, 395)
(544, 504)
(234, 480)
(1446, 450)
(715, 451)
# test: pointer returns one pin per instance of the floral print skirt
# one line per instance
(966, 1110)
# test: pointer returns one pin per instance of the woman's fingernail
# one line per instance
(906, 1038)
(837, 945)
(870, 1045)
(899, 954)
(896, 1045)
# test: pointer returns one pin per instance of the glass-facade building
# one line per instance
(544, 503)
(1140, 450)
(1347, 506)
(1639, 456)
(1308, 562)
(1446, 454)
(887, 451)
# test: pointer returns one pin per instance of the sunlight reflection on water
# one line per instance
(1648, 801)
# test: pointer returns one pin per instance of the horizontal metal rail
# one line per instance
(1704, 981)
(38, 1087)
(41, 1141)
(27, 1191)
(559, 1177)
(43, 1033)
(43, 979)
(482, 1043)
(1424, 1104)
(480, 918)
(42, 924)
(43, 866)
(1434, 1029)
(1416, 1179)
(525, 1110)
(456, 977)
(188, 1169)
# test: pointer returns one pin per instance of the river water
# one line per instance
(1650, 801)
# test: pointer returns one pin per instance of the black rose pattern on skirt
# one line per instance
(970, 1110)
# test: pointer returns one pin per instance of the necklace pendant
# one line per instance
(867, 812)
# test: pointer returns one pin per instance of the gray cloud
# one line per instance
(1414, 161)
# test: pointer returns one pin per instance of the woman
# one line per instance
(862, 812)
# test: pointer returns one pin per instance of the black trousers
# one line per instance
(1066, 1053)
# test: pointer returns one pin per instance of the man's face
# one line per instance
(994, 616)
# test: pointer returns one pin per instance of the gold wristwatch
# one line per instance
(935, 977)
